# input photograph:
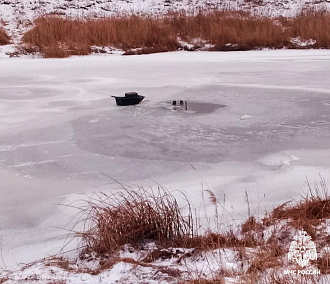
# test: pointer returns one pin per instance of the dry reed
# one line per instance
(75, 37)
(307, 213)
(59, 37)
(4, 38)
(313, 25)
(132, 217)
(225, 29)
(56, 36)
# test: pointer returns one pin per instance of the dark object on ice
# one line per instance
(183, 105)
(131, 98)
(131, 94)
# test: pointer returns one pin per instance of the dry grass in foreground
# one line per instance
(150, 238)
(132, 217)
(136, 218)
(309, 213)
(4, 38)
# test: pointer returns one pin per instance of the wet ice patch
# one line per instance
(29, 164)
(87, 80)
(319, 122)
(278, 159)
(4, 148)
(24, 93)
(64, 103)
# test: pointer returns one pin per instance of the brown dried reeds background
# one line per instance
(58, 37)
(54, 35)
(312, 25)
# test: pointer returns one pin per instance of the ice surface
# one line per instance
(62, 133)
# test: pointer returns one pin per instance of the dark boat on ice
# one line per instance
(131, 98)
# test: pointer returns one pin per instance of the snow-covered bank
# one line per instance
(15, 10)
(60, 130)
(17, 16)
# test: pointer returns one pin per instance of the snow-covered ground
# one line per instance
(27, 9)
(257, 121)
(12, 10)
(17, 16)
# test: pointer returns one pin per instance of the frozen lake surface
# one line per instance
(256, 121)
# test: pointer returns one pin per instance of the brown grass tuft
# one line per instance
(4, 38)
(307, 213)
(279, 278)
(57, 282)
(251, 224)
(323, 263)
(132, 217)
(159, 254)
(60, 262)
(3, 279)
(205, 281)
(267, 257)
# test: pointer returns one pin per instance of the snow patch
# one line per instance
(299, 42)
(278, 159)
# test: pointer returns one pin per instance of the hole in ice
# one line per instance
(194, 106)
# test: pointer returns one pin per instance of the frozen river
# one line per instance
(256, 121)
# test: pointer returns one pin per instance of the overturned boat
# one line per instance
(131, 98)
